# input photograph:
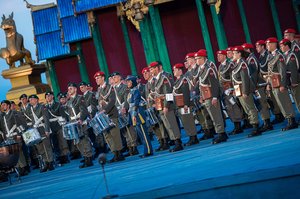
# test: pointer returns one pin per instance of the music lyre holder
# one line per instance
(102, 161)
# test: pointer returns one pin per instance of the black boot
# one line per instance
(237, 129)
(292, 124)
(165, 145)
(267, 126)
(246, 124)
(75, 155)
(23, 171)
(117, 157)
(278, 119)
(207, 135)
(3, 177)
(129, 152)
(193, 140)
(222, 137)
(134, 151)
(256, 131)
(50, 166)
(45, 168)
(178, 146)
(88, 161)
(64, 159)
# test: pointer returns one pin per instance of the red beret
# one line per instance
(297, 36)
(272, 40)
(222, 52)
(153, 64)
(247, 45)
(238, 48)
(284, 41)
(201, 53)
(260, 42)
(190, 55)
(146, 69)
(99, 73)
(229, 49)
(178, 65)
(290, 30)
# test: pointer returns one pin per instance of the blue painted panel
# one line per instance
(84, 5)
(65, 8)
(45, 21)
(50, 45)
(75, 28)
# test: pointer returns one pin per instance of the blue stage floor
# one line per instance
(267, 166)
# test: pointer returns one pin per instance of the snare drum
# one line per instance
(31, 137)
(123, 121)
(101, 123)
(151, 116)
(72, 131)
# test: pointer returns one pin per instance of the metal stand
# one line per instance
(108, 196)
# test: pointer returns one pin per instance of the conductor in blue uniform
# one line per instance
(137, 115)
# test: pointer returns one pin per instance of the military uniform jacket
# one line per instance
(182, 86)
(40, 118)
(195, 80)
(107, 100)
(12, 123)
(208, 78)
(121, 92)
(141, 88)
(135, 109)
(292, 67)
(225, 70)
(149, 93)
(162, 86)
(241, 75)
(254, 67)
(26, 112)
(90, 102)
(55, 113)
(76, 108)
(296, 49)
(276, 65)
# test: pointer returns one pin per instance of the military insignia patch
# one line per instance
(166, 81)
(184, 81)
(244, 66)
(296, 49)
(211, 73)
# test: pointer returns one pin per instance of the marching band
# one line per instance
(123, 113)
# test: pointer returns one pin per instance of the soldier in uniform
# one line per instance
(260, 92)
(121, 92)
(201, 114)
(232, 107)
(137, 116)
(244, 88)
(181, 89)
(293, 71)
(29, 152)
(158, 129)
(55, 118)
(163, 89)
(295, 46)
(263, 60)
(12, 124)
(107, 104)
(77, 112)
(210, 94)
(40, 117)
(91, 104)
(277, 76)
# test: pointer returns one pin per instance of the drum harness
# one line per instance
(10, 132)
(37, 121)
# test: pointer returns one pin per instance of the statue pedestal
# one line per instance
(26, 79)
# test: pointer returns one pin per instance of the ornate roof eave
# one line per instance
(39, 7)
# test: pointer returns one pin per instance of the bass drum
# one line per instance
(9, 154)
